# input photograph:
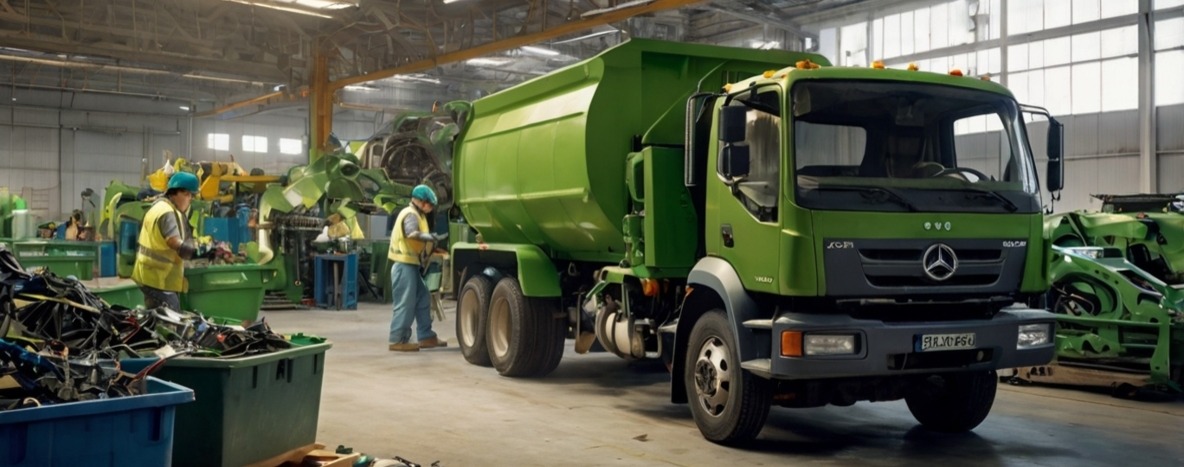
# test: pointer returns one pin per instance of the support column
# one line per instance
(1148, 159)
(320, 104)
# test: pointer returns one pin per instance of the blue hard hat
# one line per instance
(184, 181)
(424, 193)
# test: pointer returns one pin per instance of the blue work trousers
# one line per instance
(409, 294)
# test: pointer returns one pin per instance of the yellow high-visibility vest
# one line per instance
(403, 249)
(157, 265)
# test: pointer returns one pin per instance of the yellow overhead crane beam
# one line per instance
(321, 91)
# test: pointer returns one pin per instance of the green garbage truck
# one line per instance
(777, 230)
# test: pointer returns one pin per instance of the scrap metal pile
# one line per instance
(62, 343)
(1117, 282)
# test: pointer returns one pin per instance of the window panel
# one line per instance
(1036, 54)
(1086, 46)
(1087, 88)
(1034, 16)
(1017, 57)
(1057, 13)
(1169, 33)
(1167, 3)
(218, 141)
(995, 60)
(1112, 8)
(959, 23)
(1118, 93)
(254, 143)
(1121, 41)
(939, 27)
(906, 33)
(1169, 67)
(1018, 83)
(1085, 11)
(892, 36)
(878, 39)
(291, 146)
(854, 44)
(1057, 85)
(828, 44)
(921, 30)
(1018, 14)
(996, 18)
(1056, 51)
(1036, 88)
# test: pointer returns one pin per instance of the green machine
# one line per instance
(1118, 293)
(777, 230)
(293, 214)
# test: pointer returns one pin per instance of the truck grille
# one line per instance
(879, 268)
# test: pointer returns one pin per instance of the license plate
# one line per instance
(935, 342)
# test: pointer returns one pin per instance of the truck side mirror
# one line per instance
(1055, 174)
(731, 123)
(735, 161)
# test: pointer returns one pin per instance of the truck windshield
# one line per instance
(891, 146)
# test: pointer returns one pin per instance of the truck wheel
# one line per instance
(472, 312)
(729, 405)
(524, 336)
(954, 402)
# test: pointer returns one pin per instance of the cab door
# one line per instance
(744, 196)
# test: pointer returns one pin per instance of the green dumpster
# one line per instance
(227, 291)
(247, 409)
(125, 295)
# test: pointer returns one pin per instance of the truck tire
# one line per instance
(954, 402)
(524, 337)
(729, 405)
(472, 313)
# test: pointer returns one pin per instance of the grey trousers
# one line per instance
(155, 298)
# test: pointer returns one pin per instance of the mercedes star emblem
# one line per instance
(939, 262)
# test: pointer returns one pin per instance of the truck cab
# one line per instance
(879, 229)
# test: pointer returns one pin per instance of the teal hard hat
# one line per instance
(424, 193)
(184, 181)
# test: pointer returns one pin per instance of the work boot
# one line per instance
(432, 342)
(404, 347)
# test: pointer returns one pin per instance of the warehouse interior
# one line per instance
(555, 141)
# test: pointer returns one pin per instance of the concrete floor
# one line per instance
(599, 410)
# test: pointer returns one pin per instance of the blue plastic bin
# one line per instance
(346, 267)
(107, 259)
(123, 431)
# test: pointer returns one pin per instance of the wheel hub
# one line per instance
(713, 377)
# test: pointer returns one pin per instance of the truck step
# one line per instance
(759, 324)
(761, 367)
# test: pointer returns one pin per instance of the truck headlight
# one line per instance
(829, 344)
(1033, 335)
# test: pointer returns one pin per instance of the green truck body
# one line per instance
(737, 213)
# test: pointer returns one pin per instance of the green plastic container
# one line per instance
(62, 257)
(127, 295)
(81, 266)
(228, 291)
(248, 409)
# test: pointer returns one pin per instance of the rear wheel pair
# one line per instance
(499, 326)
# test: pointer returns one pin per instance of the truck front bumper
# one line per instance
(894, 348)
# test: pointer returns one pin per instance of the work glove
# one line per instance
(439, 237)
(188, 249)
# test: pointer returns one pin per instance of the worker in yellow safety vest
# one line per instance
(165, 241)
(411, 241)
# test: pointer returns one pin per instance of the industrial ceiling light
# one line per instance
(274, 6)
(184, 107)
(539, 51)
(361, 87)
(487, 61)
